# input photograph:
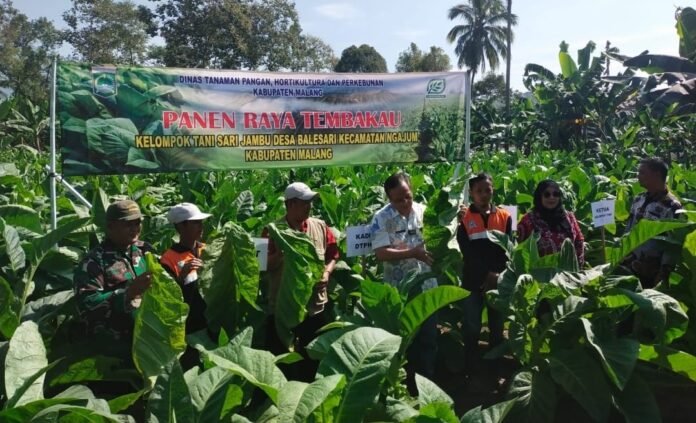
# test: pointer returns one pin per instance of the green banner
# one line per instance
(117, 120)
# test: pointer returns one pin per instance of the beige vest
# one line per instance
(316, 231)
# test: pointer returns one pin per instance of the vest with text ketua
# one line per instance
(480, 254)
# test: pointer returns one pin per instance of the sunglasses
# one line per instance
(549, 194)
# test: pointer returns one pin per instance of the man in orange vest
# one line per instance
(483, 262)
(182, 261)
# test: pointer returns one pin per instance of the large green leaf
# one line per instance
(440, 229)
(429, 392)
(159, 334)
(618, 355)
(435, 412)
(642, 232)
(125, 401)
(425, 304)
(536, 396)
(256, 366)
(679, 362)
(567, 258)
(94, 368)
(363, 355)
(208, 393)
(26, 412)
(26, 358)
(36, 250)
(321, 345)
(169, 400)
(582, 377)
(297, 401)
(13, 247)
(660, 318)
(637, 403)
(398, 410)
(382, 303)
(686, 28)
(230, 275)
(301, 271)
(568, 67)
(9, 320)
(19, 215)
(45, 307)
(95, 411)
(493, 414)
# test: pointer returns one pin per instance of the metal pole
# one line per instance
(70, 188)
(52, 170)
(467, 130)
(467, 133)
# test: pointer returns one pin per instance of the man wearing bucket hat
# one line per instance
(182, 261)
(111, 279)
(298, 203)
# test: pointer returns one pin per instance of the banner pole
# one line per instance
(467, 130)
(467, 136)
(52, 170)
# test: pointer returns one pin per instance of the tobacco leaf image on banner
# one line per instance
(117, 120)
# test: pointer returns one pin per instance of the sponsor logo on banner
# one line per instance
(436, 88)
(104, 81)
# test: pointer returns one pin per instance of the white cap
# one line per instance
(185, 211)
(299, 190)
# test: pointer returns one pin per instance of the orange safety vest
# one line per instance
(175, 260)
(477, 228)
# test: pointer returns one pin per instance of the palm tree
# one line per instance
(482, 37)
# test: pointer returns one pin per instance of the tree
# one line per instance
(414, 60)
(410, 59)
(315, 56)
(361, 59)
(491, 86)
(202, 33)
(106, 31)
(482, 37)
(26, 47)
(234, 34)
(435, 61)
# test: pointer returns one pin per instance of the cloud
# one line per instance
(337, 10)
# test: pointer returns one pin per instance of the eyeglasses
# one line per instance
(549, 194)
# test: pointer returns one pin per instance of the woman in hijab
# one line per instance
(552, 222)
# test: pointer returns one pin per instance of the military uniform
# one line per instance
(101, 279)
(100, 287)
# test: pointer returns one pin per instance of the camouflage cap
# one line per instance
(123, 210)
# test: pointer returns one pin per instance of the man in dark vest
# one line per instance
(298, 204)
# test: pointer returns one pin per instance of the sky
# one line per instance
(391, 25)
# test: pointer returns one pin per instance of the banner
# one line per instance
(117, 120)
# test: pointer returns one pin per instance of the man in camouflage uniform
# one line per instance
(649, 261)
(110, 280)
